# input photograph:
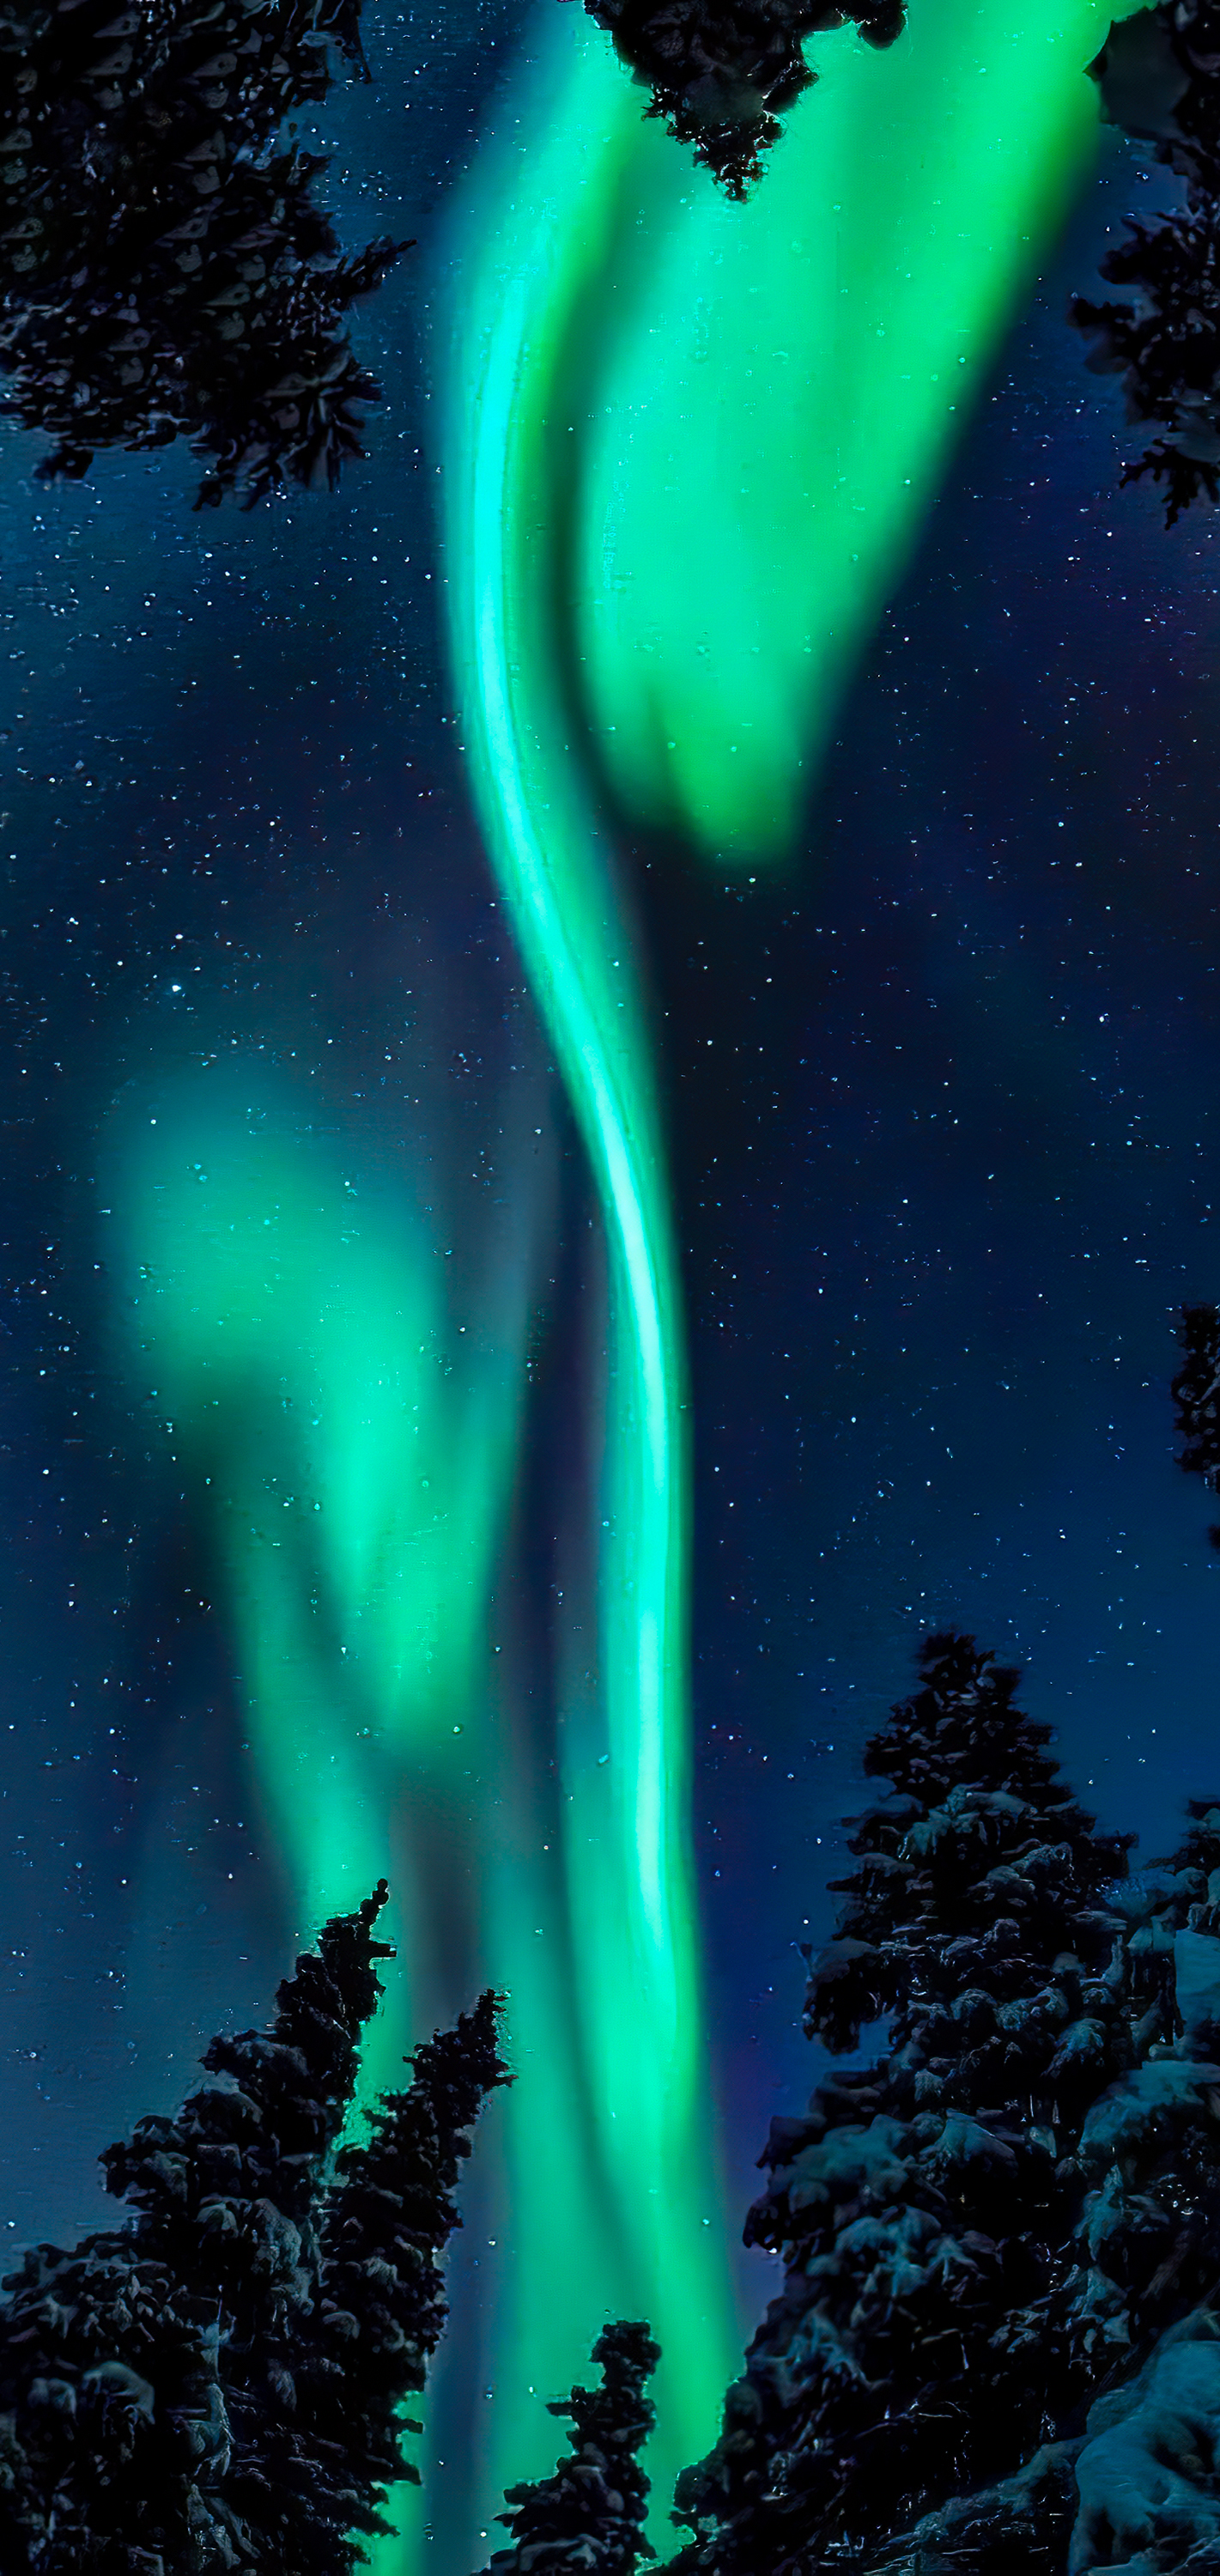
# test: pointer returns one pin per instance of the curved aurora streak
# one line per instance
(689, 446)
(631, 1906)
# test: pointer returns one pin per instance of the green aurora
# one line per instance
(689, 446)
(729, 420)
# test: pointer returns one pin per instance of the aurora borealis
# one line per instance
(812, 1364)
(609, 326)
(739, 413)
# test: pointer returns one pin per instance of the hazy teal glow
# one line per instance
(344, 1415)
(743, 411)
(349, 1431)
(632, 1922)
(688, 447)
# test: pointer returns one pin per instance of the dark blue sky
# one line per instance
(945, 1172)
(948, 1176)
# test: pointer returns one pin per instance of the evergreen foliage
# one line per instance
(922, 2342)
(588, 2518)
(165, 270)
(1158, 75)
(1004, 2218)
(1196, 1395)
(168, 2395)
(722, 72)
(1146, 2474)
(388, 2214)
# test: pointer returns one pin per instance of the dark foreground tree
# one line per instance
(165, 268)
(923, 2342)
(1196, 1397)
(722, 72)
(386, 2218)
(213, 2386)
(1159, 76)
(587, 2519)
(1132, 2478)
(1006, 2219)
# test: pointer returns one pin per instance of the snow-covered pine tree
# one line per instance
(587, 2519)
(1149, 2149)
(382, 2308)
(923, 2342)
(1136, 2470)
(149, 2415)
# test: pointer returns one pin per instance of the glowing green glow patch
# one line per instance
(346, 1421)
(295, 1326)
(688, 446)
(744, 409)
(631, 1919)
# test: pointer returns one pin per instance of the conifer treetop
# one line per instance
(286, 2089)
(217, 2385)
(976, 1872)
(722, 72)
(1157, 75)
(587, 2518)
(927, 2336)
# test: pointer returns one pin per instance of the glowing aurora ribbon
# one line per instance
(688, 446)
(631, 1905)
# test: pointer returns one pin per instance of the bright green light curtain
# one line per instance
(340, 1386)
(345, 1417)
(688, 447)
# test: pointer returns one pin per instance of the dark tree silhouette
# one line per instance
(588, 2518)
(1159, 76)
(1196, 1397)
(925, 2340)
(721, 72)
(165, 269)
(167, 2391)
(1146, 2475)
(1135, 2479)
(387, 2217)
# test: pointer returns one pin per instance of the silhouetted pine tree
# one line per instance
(1196, 1397)
(1159, 75)
(588, 2518)
(722, 72)
(164, 270)
(382, 2310)
(1149, 2148)
(1135, 2473)
(925, 2340)
(150, 2419)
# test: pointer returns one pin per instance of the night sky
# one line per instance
(943, 1120)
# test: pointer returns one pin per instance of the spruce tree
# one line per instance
(382, 2308)
(1159, 77)
(1133, 2469)
(159, 2410)
(1146, 2473)
(1196, 1394)
(722, 72)
(587, 2519)
(1149, 2148)
(925, 2340)
(166, 269)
